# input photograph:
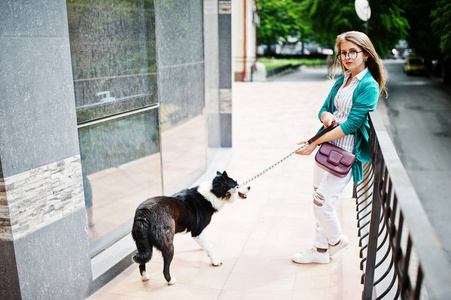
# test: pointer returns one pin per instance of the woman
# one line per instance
(353, 95)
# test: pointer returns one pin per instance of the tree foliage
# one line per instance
(279, 19)
(323, 20)
(420, 38)
(430, 33)
(387, 25)
(441, 26)
(329, 18)
(442, 30)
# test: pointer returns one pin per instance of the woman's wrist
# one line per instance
(314, 144)
(321, 118)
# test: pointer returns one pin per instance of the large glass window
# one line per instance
(114, 68)
(181, 89)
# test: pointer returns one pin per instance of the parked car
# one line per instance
(414, 65)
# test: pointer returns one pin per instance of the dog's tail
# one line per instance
(140, 234)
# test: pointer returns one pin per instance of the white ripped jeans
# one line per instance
(327, 189)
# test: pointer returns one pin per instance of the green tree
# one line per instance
(429, 34)
(278, 19)
(385, 27)
(322, 20)
(420, 38)
(330, 18)
(441, 26)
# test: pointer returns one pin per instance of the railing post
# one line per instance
(374, 230)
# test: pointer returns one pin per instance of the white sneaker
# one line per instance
(311, 256)
(344, 241)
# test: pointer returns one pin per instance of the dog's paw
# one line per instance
(173, 281)
(145, 276)
(216, 263)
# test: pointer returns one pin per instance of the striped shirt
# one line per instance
(343, 105)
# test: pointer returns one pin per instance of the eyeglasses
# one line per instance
(351, 54)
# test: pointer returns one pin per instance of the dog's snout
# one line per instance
(248, 188)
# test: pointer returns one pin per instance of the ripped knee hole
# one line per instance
(318, 199)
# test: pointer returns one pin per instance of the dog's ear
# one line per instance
(218, 173)
(225, 174)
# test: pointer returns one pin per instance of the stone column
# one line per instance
(43, 236)
(225, 71)
(211, 47)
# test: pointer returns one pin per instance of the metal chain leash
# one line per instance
(269, 168)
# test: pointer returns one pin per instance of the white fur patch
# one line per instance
(208, 247)
(145, 276)
(205, 189)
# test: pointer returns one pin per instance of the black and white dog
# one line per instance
(157, 220)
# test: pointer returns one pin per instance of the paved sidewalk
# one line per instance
(256, 237)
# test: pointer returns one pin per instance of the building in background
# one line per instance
(104, 103)
(245, 21)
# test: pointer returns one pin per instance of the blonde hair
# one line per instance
(373, 62)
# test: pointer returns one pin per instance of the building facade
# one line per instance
(245, 21)
(103, 104)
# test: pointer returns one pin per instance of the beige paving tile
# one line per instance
(111, 296)
(312, 282)
(313, 270)
(311, 294)
(277, 269)
(244, 284)
(255, 295)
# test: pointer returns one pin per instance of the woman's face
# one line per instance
(352, 57)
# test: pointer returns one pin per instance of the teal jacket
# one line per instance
(364, 100)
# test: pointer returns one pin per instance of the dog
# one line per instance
(158, 219)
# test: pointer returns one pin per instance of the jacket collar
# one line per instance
(358, 76)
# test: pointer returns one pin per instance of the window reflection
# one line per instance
(181, 89)
(113, 56)
(114, 69)
(121, 168)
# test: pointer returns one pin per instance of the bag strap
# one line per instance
(321, 133)
(326, 130)
(330, 99)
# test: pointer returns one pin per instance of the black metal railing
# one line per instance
(402, 257)
(281, 69)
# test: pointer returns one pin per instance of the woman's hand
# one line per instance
(328, 119)
(307, 149)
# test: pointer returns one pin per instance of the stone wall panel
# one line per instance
(36, 198)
